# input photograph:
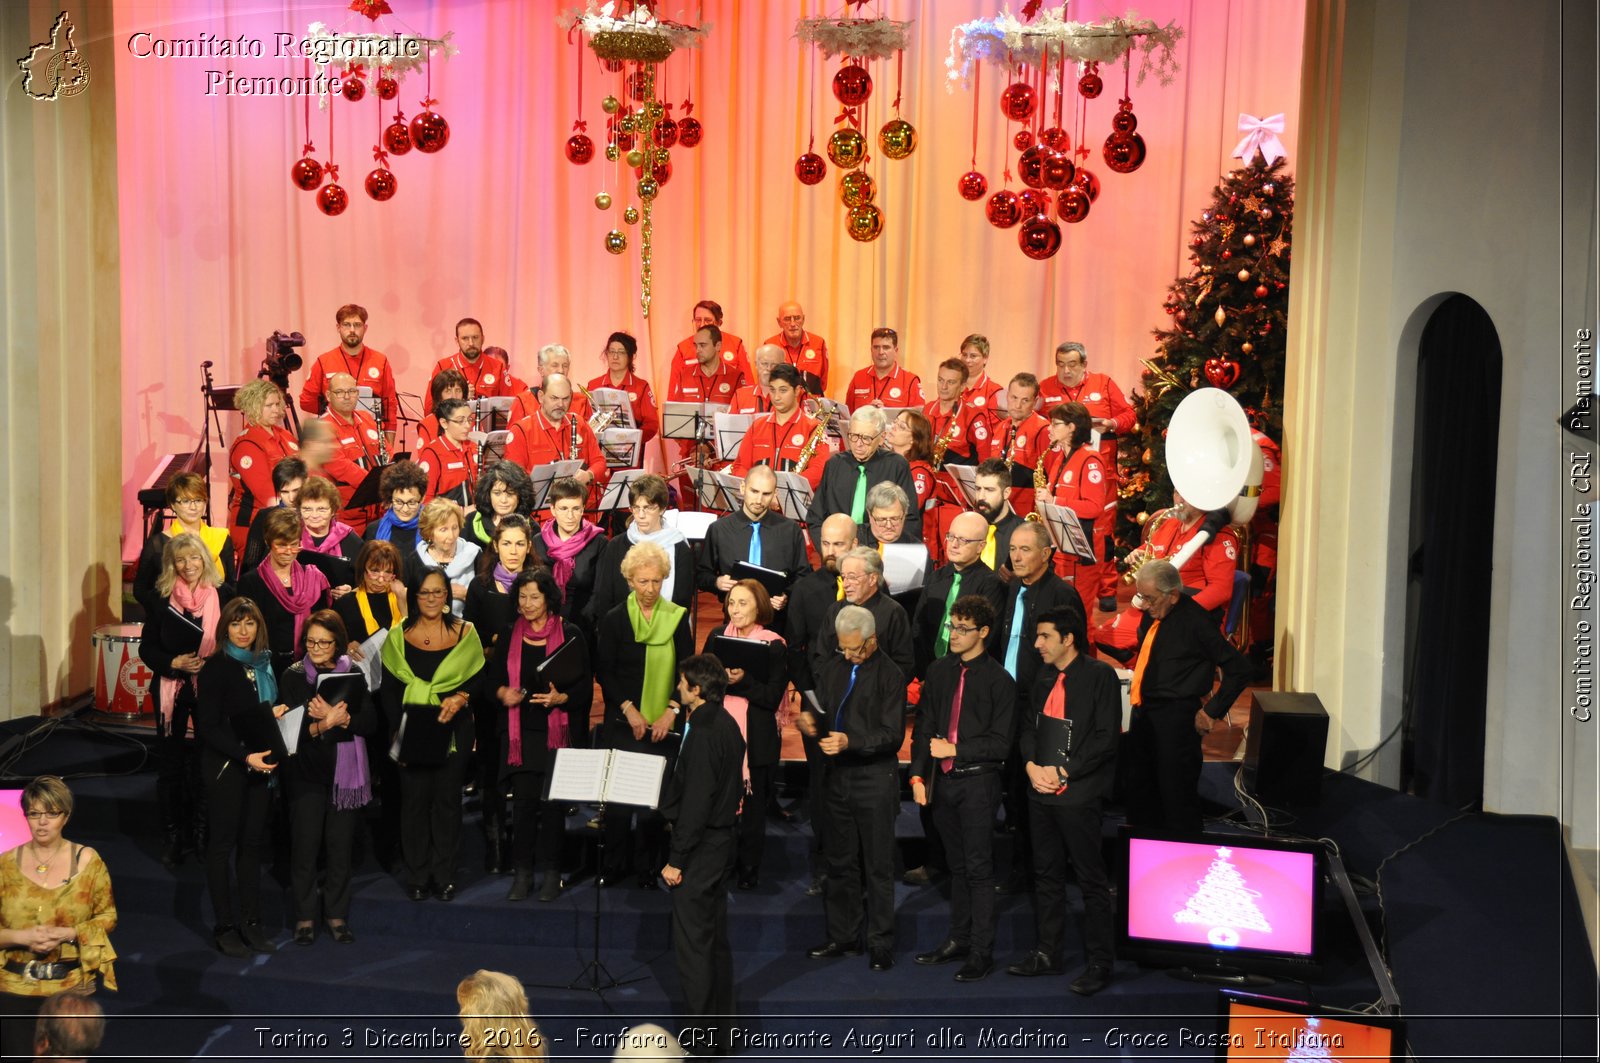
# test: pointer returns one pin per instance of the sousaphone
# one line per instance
(1214, 462)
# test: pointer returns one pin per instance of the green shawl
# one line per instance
(462, 663)
(660, 658)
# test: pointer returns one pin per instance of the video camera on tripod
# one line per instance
(281, 359)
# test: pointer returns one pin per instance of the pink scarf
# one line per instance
(202, 602)
(306, 587)
(739, 707)
(563, 551)
(330, 542)
(553, 636)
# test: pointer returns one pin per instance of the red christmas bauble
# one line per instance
(972, 185)
(306, 174)
(1124, 152)
(1032, 202)
(1197, 240)
(429, 132)
(1003, 210)
(397, 137)
(689, 132)
(1039, 238)
(388, 88)
(1058, 170)
(1261, 291)
(1055, 137)
(381, 184)
(352, 89)
(1030, 167)
(1072, 206)
(1125, 121)
(810, 168)
(666, 133)
(1017, 101)
(852, 85)
(1022, 139)
(611, 66)
(580, 149)
(1221, 373)
(638, 86)
(1226, 254)
(331, 200)
(662, 171)
(1090, 86)
(1086, 180)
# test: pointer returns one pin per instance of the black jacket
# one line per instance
(1185, 657)
(584, 569)
(534, 719)
(809, 602)
(225, 691)
(783, 548)
(873, 717)
(837, 491)
(316, 758)
(894, 635)
(703, 793)
(619, 665)
(166, 636)
(149, 571)
(1094, 706)
(988, 705)
(1050, 592)
(610, 588)
(979, 578)
(280, 622)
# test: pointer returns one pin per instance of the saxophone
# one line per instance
(1141, 554)
(598, 421)
(383, 443)
(1041, 482)
(942, 444)
(815, 441)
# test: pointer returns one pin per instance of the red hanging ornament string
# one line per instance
(1127, 75)
(380, 156)
(1043, 78)
(977, 81)
(330, 167)
(578, 124)
(1061, 83)
(811, 145)
(899, 78)
(309, 147)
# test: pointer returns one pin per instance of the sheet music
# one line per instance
(635, 778)
(904, 565)
(966, 478)
(1094, 439)
(622, 447)
(794, 494)
(617, 494)
(606, 400)
(289, 727)
(819, 407)
(371, 663)
(1066, 531)
(578, 774)
(731, 429)
(679, 419)
(545, 475)
(693, 525)
(891, 412)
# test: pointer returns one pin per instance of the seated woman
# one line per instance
(1076, 479)
(532, 719)
(56, 913)
(237, 681)
(431, 669)
(400, 488)
(570, 546)
(328, 780)
(503, 490)
(440, 545)
(754, 699)
(187, 494)
(621, 350)
(446, 384)
(325, 541)
(288, 477)
(174, 644)
(285, 591)
(638, 645)
(649, 499)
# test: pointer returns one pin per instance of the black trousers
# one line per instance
(963, 811)
(1162, 766)
(237, 802)
(179, 794)
(316, 828)
(1062, 833)
(752, 827)
(1016, 788)
(537, 825)
(700, 928)
(818, 764)
(862, 802)
(487, 757)
(640, 850)
(430, 819)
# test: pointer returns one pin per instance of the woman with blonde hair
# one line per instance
(253, 454)
(494, 1018)
(441, 545)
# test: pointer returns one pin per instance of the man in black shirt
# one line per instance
(861, 569)
(993, 497)
(963, 574)
(862, 693)
(701, 801)
(1180, 651)
(850, 474)
(756, 535)
(958, 750)
(1069, 750)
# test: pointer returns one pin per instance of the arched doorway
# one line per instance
(1453, 476)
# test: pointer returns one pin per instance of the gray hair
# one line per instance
(868, 556)
(854, 620)
(1039, 533)
(870, 416)
(1073, 345)
(552, 348)
(885, 495)
(1161, 575)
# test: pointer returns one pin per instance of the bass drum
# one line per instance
(121, 680)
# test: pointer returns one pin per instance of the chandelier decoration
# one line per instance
(1032, 53)
(857, 42)
(375, 59)
(631, 43)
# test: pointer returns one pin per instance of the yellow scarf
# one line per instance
(214, 538)
(366, 611)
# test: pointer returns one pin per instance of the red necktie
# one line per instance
(955, 718)
(1056, 704)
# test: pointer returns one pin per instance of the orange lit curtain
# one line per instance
(219, 248)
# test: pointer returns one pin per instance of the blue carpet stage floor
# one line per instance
(1480, 918)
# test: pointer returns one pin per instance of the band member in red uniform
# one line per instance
(714, 380)
(319, 449)
(806, 351)
(1263, 542)
(884, 382)
(353, 356)
(355, 437)
(486, 374)
(451, 461)
(963, 428)
(253, 453)
(448, 384)
(982, 391)
(779, 438)
(621, 350)
(911, 437)
(1111, 416)
(553, 359)
(1023, 436)
(753, 395)
(556, 434)
(684, 359)
(1078, 481)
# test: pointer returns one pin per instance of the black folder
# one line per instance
(1053, 742)
(366, 493)
(752, 655)
(257, 729)
(348, 687)
(424, 740)
(774, 581)
(339, 570)
(181, 634)
(565, 667)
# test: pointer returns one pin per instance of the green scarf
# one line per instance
(660, 659)
(462, 663)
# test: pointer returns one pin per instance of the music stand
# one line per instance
(623, 447)
(794, 495)
(617, 494)
(731, 429)
(488, 410)
(1066, 530)
(614, 401)
(891, 412)
(834, 412)
(491, 446)
(965, 480)
(545, 475)
(717, 490)
(691, 421)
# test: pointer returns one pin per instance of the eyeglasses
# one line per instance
(344, 393)
(401, 503)
(320, 644)
(434, 592)
(459, 421)
(853, 577)
(857, 437)
(955, 629)
(41, 815)
(862, 650)
(887, 522)
(953, 539)
(190, 502)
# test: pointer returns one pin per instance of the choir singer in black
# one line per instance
(757, 536)
(850, 474)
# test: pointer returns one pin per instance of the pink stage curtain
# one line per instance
(219, 249)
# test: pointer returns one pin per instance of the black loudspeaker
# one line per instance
(1283, 754)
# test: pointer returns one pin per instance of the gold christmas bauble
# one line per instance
(654, 110)
(1146, 456)
(1246, 348)
(648, 188)
(1142, 517)
(897, 138)
(616, 241)
(1249, 239)
(1244, 275)
(631, 215)
(1220, 317)
(610, 105)
(612, 154)
(603, 200)
(857, 187)
(864, 223)
(635, 158)
(846, 147)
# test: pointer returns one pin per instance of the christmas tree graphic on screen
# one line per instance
(1311, 1043)
(1224, 904)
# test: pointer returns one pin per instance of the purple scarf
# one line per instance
(553, 636)
(503, 577)
(352, 781)
(330, 542)
(306, 587)
(563, 551)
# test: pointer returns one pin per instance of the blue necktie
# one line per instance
(1015, 639)
(755, 543)
(839, 713)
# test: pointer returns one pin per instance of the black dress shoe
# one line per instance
(1035, 965)
(550, 888)
(882, 959)
(342, 933)
(748, 878)
(1095, 978)
(946, 953)
(521, 886)
(228, 942)
(976, 969)
(447, 892)
(833, 950)
(818, 887)
(305, 934)
(255, 936)
(1107, 604)
(417, 893)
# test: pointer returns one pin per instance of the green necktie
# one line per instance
(858, 507)
(941, 645)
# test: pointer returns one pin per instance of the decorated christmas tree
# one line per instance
(1227, 330)
(1223, 903)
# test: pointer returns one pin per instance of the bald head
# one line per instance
(838, 535)
(555, 397)
(767, 357)
(792, 321)
(968, 534)
(342, 393)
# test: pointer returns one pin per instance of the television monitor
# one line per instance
(1259, 1028)
(1222, 907)
(13, 821)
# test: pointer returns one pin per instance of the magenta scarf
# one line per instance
(330, 542)
(739, 707)
(563, 551)
(554, 635)
(306, 587)
(203, 602)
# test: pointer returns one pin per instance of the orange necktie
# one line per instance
(1144, 659)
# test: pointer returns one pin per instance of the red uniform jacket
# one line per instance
(972, 437)
(899, 388)
(250, 460)
(733, 353)
(695, 386)
(486, 377)
(767, 438)
(427, 430)
(1211, 570)
(1021, 444)
(527, 405)
(987, 395)
(448, 469)
(371, 370)
(1271, 470)
(750, 399)
(1102, 398)
(810, 355)
(535, 441)
(357, 438)
(640, 396)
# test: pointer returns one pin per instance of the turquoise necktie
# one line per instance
(755, 543)
(1015, 639)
